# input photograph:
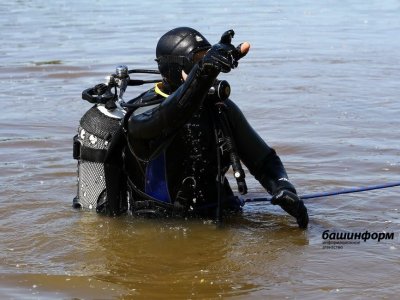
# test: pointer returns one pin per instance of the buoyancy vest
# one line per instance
(184, 171)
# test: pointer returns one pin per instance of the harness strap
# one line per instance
(93, 155)
(81, 152)
(145, 197)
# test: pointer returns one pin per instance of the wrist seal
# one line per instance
(284, 184)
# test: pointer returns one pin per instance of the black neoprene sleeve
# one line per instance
(260, 159)
(174, 111)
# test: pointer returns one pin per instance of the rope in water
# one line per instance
(337, 192)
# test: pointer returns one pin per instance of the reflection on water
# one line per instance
(320, 85)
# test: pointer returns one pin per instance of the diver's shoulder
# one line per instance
(151, 95)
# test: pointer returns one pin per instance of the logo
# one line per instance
(337, 239)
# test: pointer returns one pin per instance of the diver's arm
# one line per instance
(261, 160)
(175, 110)
(266, 166)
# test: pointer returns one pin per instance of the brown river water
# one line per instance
(320, 84)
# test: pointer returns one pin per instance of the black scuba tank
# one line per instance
(96, 128)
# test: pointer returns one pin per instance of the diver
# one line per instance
(178, 140)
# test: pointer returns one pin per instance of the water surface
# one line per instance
(320, 84)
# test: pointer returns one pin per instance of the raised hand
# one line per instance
(223, 56)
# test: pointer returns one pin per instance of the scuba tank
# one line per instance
(96, 128)
(95, 131)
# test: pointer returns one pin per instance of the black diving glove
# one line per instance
(221, 57)
(293, 205)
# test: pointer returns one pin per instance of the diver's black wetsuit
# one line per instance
(180, 135)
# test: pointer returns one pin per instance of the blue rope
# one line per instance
(338, 192)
